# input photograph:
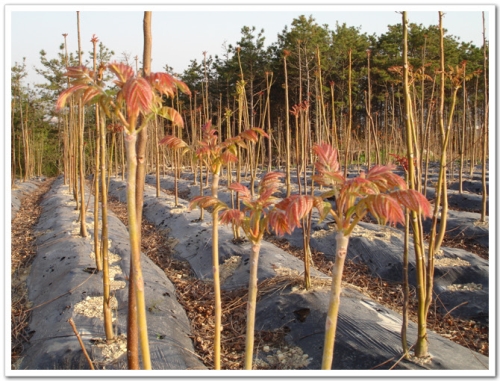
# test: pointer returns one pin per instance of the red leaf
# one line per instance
(328, 178)
(209, 135)
(78, 72)
(249, 135)
(138, 95)
(327, 156)
(173, 142)
(122, 71)
(235, 141)
(228, 157)
(182, 87)
(207, 128)
(322, 206)
(385, 179)
(163, 82)
(167, 84)
(278, 221)
(63, 97)
(207, 202)
(413, 200)
(203, 150)
(360, 186)
(90, 94)
(385, 208)
(260, 131)
(270, 182)
(327, 165)
(172, 115)
(232, 216)
(241, 189)
(296, 207)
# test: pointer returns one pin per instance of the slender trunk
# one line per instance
(421, 344)
(194, 141)
(175, 160)
(476, 125)
(322, 111)
(13, 146)
(462, 137)
(122, 140)
(485, 130)
(74, 153)
(287, 134)
(334, 120)
(406, 286)
(269, 133)
(81, 126)
(135, 262)
(137, 325)
(371, 125)
(143, 134)
(334, 304)
(23, 133)
(97, 247)
(306, 237)
(297, 150)
(441, 189)
(108, 316)
(251, 306)
(427, 138)
(202, 211)
(157, 159)
(111, 154)
(349, 127)
(66, 143)
(216, 276)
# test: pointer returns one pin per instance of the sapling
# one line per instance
(261, 214)
(140, 96)
(176, 144)
(379, 192)
(97, 250)
(286, 53)
(216, 154)
(101, 253)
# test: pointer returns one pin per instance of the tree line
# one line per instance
(343, 86)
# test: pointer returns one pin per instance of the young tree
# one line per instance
(137, 96)
(379, 192)
(216, 154)
(259, 216)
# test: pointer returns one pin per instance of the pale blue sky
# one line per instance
(181, 34)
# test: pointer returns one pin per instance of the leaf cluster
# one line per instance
(136, 96)
(380, 192)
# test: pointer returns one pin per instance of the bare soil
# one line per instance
(196, 296)
(23, 252)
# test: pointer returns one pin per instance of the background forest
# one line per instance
(340, 82)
